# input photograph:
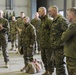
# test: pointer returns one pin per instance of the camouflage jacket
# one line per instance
(4, 23)
(44, 32)
(13, 27)
(27, 36)
(5, 29)
(69, 37)
(36, 23)
(20, 24)
(59, 25)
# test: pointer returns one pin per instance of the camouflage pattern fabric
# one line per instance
(13, 31)
(44, 34)
(27, 39)
(59, 25)
(3, 38)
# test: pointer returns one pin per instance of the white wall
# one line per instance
(59, 3)
(2, 5)
(19, 5)
(22, 5)
(69, 4)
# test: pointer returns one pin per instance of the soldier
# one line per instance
(13, 32)
(59, 25)
(3, 38)
(27, 40)
(69, 37)
(44, 40)
(36, 22)
(20, 26)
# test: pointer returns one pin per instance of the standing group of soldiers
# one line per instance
(55, 38)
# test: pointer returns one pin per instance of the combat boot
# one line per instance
(23, 69)
(6, 64)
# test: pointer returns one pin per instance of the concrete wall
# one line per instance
(2, 4)
(60, 3)
(69, 4)
(18, 6)
(22, 5)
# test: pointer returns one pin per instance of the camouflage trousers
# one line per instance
(46, 55)
(71, 65)
(27, 54)
(19, 41)
(13, 40)
(3, 44)
(58, 61)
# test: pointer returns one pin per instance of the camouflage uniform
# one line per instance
(59, 25)
(36, 23)
(44, 34)
(20, 26)
(3, 38)
(27, 39)
(13, 32)
(69, 37)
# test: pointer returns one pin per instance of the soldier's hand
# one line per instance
(1, 27)
(19, 30)
(31, 46)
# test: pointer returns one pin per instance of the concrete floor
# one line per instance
(16, 63)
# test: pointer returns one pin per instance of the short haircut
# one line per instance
(43, 8)
(73, 9)
(55, 7)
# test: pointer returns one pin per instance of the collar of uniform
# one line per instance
(26, 24)
(44, 17)
(56, 17)
(74, 21)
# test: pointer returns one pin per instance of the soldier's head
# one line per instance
(13, 18)
(1, 14)
(42, 11)
(53, 11)
(36, 15)
(71, 14)
(26, 20)
(22, 15)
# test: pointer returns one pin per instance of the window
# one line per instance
(61, 12)
(9, 4)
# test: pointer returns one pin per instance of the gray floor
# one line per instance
(16, 63)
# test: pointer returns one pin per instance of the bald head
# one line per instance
(53, 11)
(42, 11)
(71, 14)
(1, 14)
(36, 15)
